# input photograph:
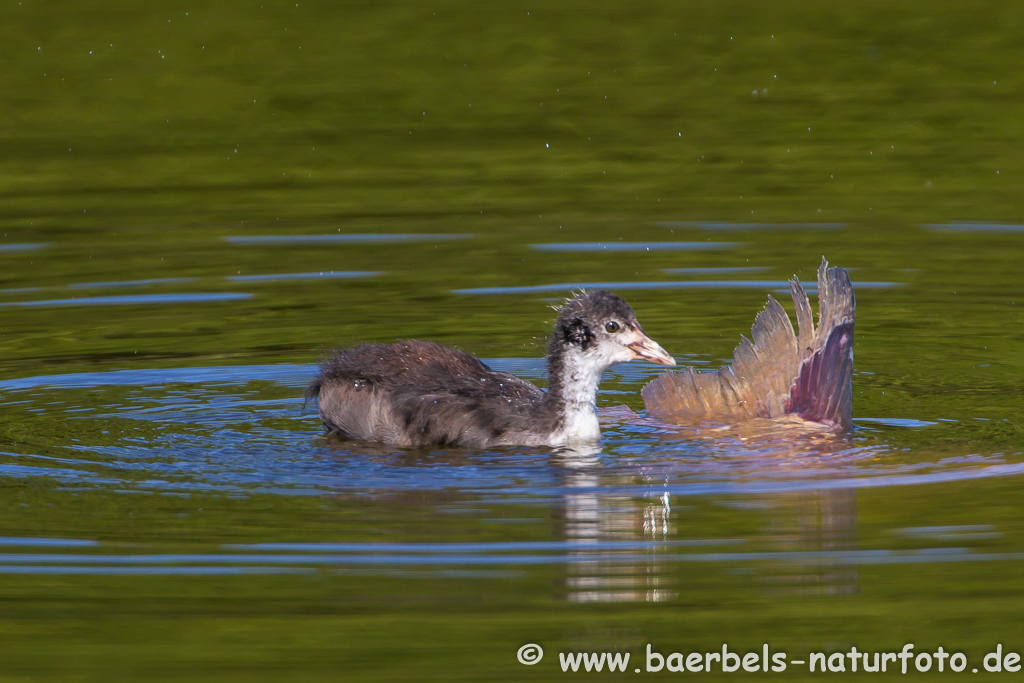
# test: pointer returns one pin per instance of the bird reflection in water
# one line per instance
(593, 517)
(821, 521)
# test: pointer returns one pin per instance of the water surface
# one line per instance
(199, 202)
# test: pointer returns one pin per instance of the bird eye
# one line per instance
(611, 326)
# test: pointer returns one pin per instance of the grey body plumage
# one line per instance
(418, 393)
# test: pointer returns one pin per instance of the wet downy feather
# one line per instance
(417, 393)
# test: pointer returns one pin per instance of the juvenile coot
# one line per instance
(779, 373)
(417, 393)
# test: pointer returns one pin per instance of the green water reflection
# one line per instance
(183, 188)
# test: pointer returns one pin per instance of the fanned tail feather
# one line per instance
(777, 371)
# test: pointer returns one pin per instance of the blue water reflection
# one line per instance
(243, 431)
(48, 542)
(246, 429)
(594, 557)
(723, 226)
(767, 285)
(633, 246)
(364, 238)
(22, 246)
(323, 275)
(134, 300)
(995, 228)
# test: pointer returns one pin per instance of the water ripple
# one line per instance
(322, 275)
(366, 238)
(724, 226)
(134, 299)
(633, 246)
(384, 555)
(245, 430)
(22, 246)
(767, 285)
(994, 228)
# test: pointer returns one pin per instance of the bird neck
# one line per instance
(572, 392)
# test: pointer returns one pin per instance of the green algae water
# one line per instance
(199, 201)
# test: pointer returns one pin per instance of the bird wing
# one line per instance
(776, 371)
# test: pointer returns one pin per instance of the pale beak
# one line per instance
(646, 348)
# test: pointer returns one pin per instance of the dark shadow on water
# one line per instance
(133, 283)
